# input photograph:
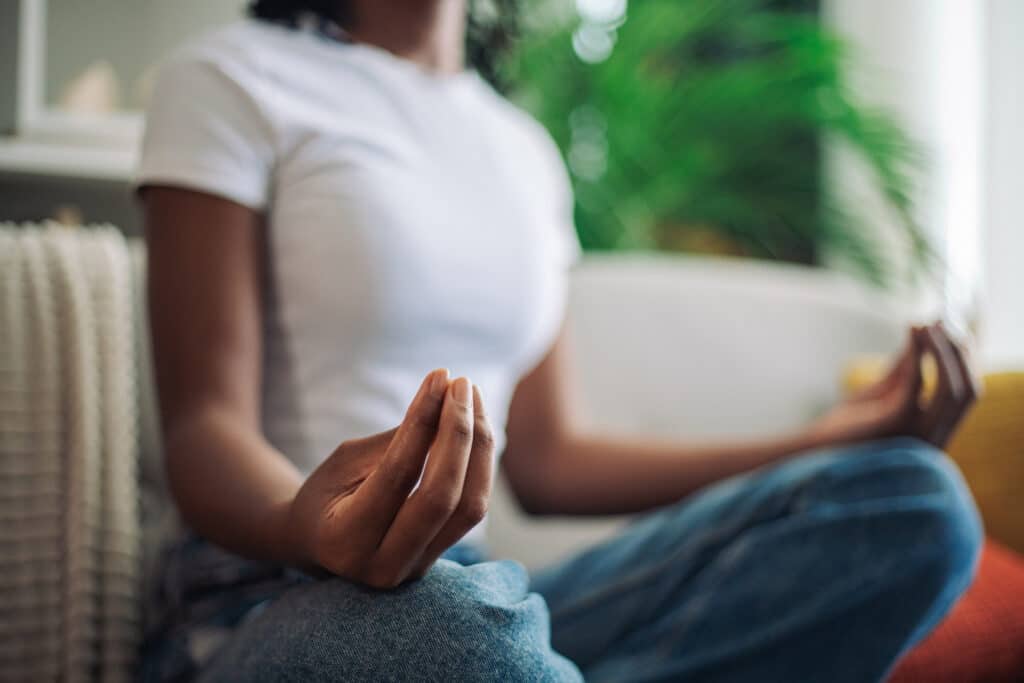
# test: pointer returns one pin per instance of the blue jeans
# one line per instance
(826, 567)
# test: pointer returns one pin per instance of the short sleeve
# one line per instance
(205, 131)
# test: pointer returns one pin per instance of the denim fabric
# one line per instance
(824, 568)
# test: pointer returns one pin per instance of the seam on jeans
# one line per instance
(722, 536)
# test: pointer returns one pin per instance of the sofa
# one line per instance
(695, 347)
(673, 346)
(701, 348)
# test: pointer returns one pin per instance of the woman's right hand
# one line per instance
(358, 515)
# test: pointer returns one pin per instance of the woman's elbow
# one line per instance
(529, 481)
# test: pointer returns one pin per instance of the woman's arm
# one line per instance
(357, 515)
(205, 278)
(553, 469)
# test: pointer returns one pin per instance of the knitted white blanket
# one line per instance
(69, 522)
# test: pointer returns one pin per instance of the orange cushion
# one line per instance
(982, 638)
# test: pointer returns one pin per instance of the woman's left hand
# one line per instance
(894, 407)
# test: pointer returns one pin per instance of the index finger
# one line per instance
(960, 356)
(945, 358)
(379, 498)
(947, 404)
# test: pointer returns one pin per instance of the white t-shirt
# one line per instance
(415, 221)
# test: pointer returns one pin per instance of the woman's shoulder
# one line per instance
(273, 64)
(207, 127)
(237, 48)
(246, 65)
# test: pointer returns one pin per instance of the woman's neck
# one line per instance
(428, 32)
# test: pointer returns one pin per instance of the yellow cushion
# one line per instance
(988, 447)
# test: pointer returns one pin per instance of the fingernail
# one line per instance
(439, 383)
(460, 391)
(478, 399)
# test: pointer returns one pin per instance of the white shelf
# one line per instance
(94, 57)
(113, 162)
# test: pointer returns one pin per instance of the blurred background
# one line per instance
(768, 192)
(870, 136)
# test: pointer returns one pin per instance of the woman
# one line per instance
(334, 206)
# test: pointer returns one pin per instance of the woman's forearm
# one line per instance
(230, 485)
(582, 475)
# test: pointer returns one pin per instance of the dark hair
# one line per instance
(491, 31)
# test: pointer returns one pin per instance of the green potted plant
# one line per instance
(697, 125)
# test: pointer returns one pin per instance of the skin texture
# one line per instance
(357, 515)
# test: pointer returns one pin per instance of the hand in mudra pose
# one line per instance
(894, 405)
(360, 514)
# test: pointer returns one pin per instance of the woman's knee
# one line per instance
(457, 623)
(927, 502)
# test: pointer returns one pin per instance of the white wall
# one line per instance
(950, 70)
(131, 35)
(1003, 249)
(922, 61)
